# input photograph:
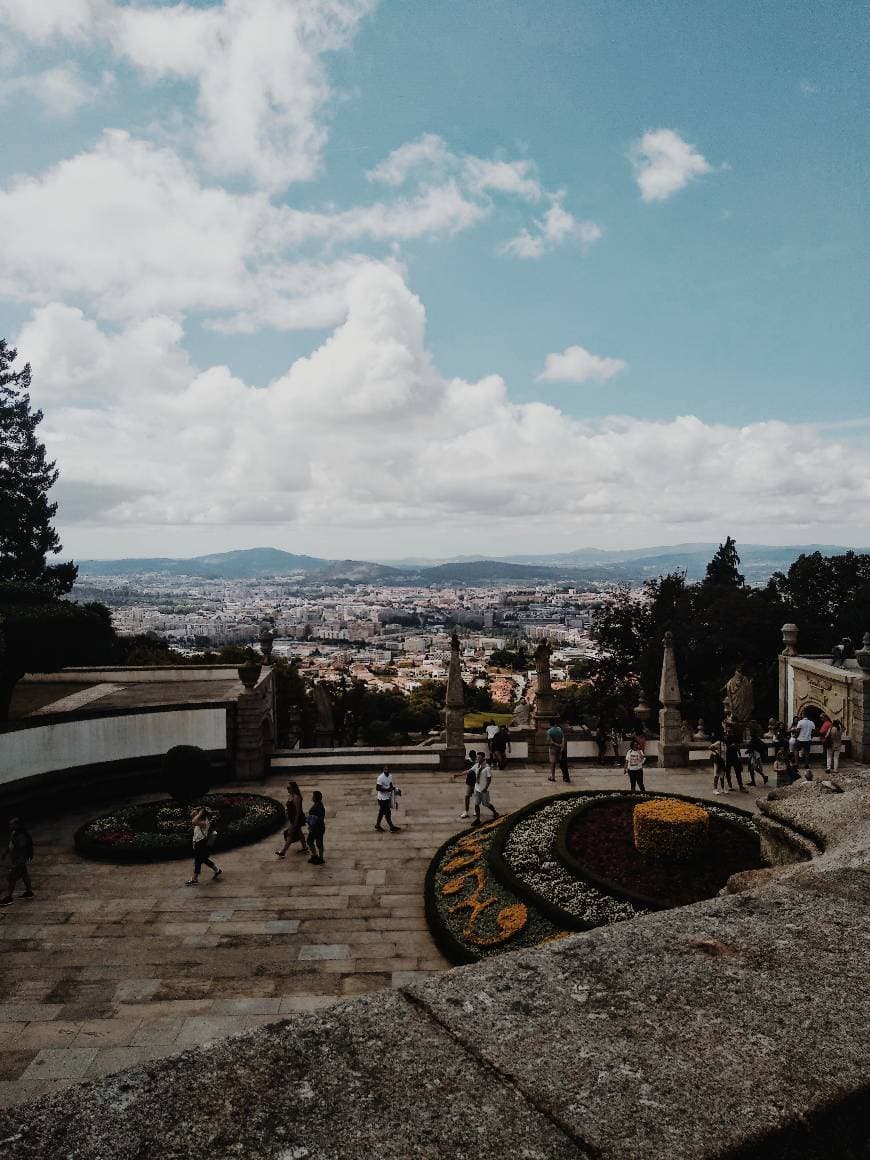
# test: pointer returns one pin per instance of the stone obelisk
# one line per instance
(454, 710)
(673, 753)
(545, 705)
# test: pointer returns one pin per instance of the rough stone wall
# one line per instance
(255, 729)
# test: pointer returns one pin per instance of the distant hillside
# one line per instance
(584, 565)
(477, 571)
(243, 564)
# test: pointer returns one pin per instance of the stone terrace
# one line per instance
(113, 966)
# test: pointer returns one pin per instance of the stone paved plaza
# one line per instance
(110, 966)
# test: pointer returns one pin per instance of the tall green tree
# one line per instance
(724, 568)
(27, 535)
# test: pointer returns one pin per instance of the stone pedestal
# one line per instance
(673, 752)
(454, 710)
(255, 729)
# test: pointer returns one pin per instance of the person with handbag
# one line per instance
(204, 838)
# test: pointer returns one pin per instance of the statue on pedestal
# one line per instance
(739, 700)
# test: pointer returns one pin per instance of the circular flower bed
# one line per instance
(154, 831)
(597, 842)
(516, 883)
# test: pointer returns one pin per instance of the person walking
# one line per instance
(555, 738)
(295, 821)
(755, 754)
(481, 790)
(634, 762)
(204, 835)
(717, 760)
(386, 790)
(18, 853)
(470, 775)
(316, 828)
(733, 761)
(834, 745)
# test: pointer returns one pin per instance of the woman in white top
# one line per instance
(201, 827)
(634, 761)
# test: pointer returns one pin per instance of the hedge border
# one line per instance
(86, 847)
(618, 890)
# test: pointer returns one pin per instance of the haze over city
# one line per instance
(380, 280)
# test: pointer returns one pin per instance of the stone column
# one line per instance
(673, 753)
(454, 710)
(254, 710)
(545, 706)
(789, 649)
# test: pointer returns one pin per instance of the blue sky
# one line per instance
(702, 273)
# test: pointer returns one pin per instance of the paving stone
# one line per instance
(56, 1063)
(324, 951)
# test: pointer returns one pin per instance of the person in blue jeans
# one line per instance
(555, 741)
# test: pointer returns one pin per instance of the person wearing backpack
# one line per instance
(18, 853)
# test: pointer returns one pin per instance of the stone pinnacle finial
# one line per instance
(669, 690)
(455, 697)
(789, 640)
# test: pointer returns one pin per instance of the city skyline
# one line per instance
(376, 280)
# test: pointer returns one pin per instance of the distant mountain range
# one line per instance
(757, 562)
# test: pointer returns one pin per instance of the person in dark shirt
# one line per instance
(18, 853)
(470, 775)
(316, 828)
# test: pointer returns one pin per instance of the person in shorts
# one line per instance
(481, 790)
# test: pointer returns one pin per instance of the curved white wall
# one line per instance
(89, 741)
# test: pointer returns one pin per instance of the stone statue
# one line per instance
(700, 733)
(842, 652)
(522, 718)
(738, 698)
(542, 668)
(324, 728)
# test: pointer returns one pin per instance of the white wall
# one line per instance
(66, 744)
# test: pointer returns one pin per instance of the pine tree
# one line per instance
(26, 476)
(723, 568)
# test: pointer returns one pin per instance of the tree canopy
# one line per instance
(27, 535)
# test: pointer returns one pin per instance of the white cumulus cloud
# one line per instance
(365, 433)
(61, 91)
(664, 164)
(556, 228)
(575, 364)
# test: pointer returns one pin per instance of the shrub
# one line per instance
(186, 773)
(671, 829)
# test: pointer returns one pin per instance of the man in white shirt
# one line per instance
(491, 730)
(481, 790)
(385, 788)
(806, 727)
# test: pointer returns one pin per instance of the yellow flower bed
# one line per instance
(666, 828)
